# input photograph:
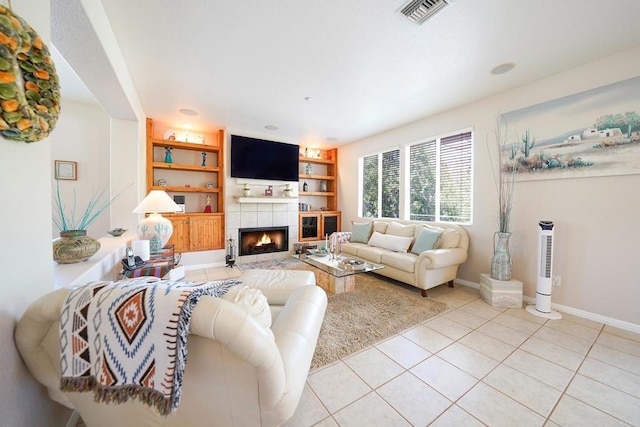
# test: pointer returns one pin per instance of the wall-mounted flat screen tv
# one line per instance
(261, 159)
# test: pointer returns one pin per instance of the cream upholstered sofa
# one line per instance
(239, 371)
(420, 253)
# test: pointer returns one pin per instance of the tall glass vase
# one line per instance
(501, 265)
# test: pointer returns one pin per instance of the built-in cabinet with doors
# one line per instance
(318, 194)
(189, 167)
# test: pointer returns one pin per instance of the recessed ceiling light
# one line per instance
(271, 127)
(307, 98)
(503, 68)
(332, 139)
(188, 112)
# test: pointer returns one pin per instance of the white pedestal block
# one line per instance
(501, 293)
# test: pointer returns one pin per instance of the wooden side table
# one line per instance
(158, 265)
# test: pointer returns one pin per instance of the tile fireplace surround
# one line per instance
(254, 215)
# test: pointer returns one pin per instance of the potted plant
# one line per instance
(74, 245)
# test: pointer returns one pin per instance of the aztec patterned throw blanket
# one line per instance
(128, 339)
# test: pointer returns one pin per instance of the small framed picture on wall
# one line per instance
(66, 169)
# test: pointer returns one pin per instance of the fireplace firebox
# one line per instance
(253, 241)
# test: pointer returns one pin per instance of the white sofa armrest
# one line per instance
(439, 258)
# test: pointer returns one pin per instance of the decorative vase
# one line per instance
(74, 246)
(246, 191)
(501, 265)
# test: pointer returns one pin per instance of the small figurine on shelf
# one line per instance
(307, 169)
(204, 159)
(288, 191)
(269, 191)
(167, 155)
(305, 187)
(207, 209)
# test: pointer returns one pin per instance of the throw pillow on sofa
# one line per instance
(360, 232)
(380, 226)
(390, 242)
(426, 240)
(398, 229)
(448, 239)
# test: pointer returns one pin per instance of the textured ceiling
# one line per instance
(252, 63)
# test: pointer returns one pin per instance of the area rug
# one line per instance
(377, 309)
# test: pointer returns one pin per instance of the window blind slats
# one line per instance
(440, 180)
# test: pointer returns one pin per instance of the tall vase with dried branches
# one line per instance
(501, 263)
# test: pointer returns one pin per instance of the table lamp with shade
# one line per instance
(155, 227)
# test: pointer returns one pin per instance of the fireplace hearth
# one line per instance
(262, 240)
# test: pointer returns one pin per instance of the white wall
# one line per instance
(82, 135)
(597, 233)
(127, 173)
(26, 255)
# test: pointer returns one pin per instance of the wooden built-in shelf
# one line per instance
(184, 145)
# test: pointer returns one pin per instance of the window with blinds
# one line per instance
(455, 178)
(381, 185)
(440, 179)
(438, 182)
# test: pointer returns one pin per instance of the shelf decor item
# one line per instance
(501, 263)
(288, 191)
(246, 191)
(167, 155)
(117, 232)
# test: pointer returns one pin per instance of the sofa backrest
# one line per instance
(463, 242)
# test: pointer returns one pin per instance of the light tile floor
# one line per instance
(477, 365)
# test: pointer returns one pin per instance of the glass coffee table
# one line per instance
(337, 275)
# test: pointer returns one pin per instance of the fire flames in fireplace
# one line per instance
(263, 240)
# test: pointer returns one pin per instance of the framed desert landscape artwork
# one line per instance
(592, 133)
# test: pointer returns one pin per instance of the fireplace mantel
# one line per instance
(265, 199)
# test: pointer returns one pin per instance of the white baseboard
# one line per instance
(621, 324)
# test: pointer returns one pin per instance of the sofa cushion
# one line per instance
(449, 239)
(277, 285)
(371, 253)
(426, 240)
(360, 232)
(400, 260)
(252, 301)
(397, 229)
(390, 241)
(380, 226)
(351, 248)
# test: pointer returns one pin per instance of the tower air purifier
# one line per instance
(544, 285)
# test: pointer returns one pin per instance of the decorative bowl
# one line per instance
(117, 232)
(318, 252)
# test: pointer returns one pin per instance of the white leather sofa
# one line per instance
(241, 370)
(423, 259)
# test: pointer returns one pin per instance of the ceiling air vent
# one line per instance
(420, 10)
